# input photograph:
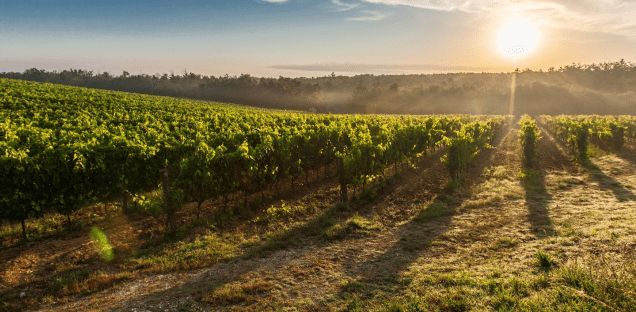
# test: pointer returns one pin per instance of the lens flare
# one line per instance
(518, 39)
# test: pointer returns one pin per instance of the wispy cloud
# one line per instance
(343, 6)
(275, 1)
(369, 16)
(606, 16)
(367, 68)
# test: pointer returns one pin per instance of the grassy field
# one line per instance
(559, 237)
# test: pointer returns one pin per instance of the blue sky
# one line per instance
(307, 38)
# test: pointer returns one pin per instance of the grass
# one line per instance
(356, 226)
(544, 260)
(239, 293)
(203, 251)
(574, 287)
(504, 243)
(81, 281)
(435, 209)
(351, 286)
(101, 244)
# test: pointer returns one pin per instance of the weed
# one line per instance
(544, 260)
(101, 244)
(433, 210)
(355, 305)
(337, 231)
(237, 293)
(317, 225)
(352, 286)
(492, 201)
(529, 175)
(504, 243)
(276, 213)
(151, 203)
(342, 206)
(452, 185)
(504, 300)
(395, 307)
(358, 223)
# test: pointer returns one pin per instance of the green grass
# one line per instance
(101, 244)
(202, 251)
(356, 225)
(574, 287)
(544, 260)
(504, 243)
(434, 210)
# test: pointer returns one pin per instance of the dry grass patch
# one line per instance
(355, 226)
(183, 255)
(81, 281)
(235, 293)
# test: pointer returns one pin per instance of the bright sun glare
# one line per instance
(518, 38)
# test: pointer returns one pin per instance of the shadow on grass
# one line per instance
(608, 183)
(628, 154)
(537, 200)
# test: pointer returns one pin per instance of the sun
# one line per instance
(518, 39)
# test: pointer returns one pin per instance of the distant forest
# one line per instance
(607, 88)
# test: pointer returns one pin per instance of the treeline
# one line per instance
(604, 88)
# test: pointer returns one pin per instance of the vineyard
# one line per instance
(605, 132)
(212, 186)
(67, 147)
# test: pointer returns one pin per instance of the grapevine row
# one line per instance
(468, 141)
(606, 132)
(528, 137)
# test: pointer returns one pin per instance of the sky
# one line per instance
(310, 38)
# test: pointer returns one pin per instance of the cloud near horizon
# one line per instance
(343, 6)
(606, 16)
(369, 16)
(367, 68)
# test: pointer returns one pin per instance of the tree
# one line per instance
(394, 87)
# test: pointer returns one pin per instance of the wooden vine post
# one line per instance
(165, 182)
(124, 201)
(343, 180)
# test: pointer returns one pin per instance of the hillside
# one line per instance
(442, 213)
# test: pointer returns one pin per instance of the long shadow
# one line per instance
(628, 153)
(415, 238)
(537, 196)
(537, 200)
(608, 183)
(605, 182)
